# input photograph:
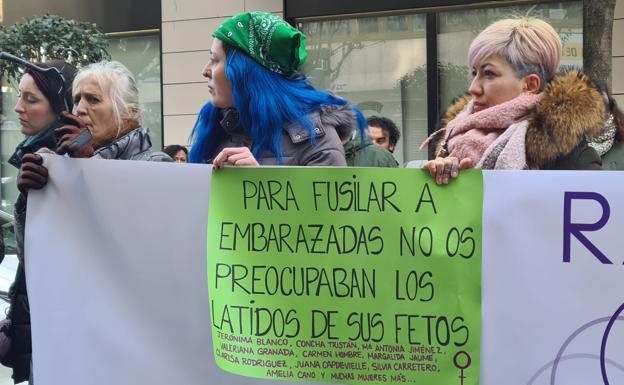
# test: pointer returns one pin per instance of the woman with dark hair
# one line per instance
(609, 144)
(263, 111)
(41, 100)
(178, 153)
(39, 106)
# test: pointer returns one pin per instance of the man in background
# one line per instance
(383, 132)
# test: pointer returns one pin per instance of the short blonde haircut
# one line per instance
(117, 81)
(530, 46)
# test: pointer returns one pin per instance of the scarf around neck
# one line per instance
(470, 133)
(603, 142)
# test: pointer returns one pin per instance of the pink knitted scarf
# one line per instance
(470, 134)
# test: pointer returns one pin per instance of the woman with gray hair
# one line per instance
(106, 103)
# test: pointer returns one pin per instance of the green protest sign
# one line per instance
(345, 275)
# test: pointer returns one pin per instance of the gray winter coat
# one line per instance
(135, 145)
(332, 125)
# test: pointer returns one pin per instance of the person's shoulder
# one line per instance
(570, 109)
(375, 156)
(614, 158)
(341, 117)
(338, 118)
(582, 157)
(152, 156)
(157, 156)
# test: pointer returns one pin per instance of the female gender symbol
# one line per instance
(460, 366)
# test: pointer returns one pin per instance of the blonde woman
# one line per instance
(520, 114)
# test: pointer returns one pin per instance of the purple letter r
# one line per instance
(575, 229)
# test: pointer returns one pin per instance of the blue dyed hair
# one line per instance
(266, 102)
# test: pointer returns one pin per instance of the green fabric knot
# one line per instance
(267, 38)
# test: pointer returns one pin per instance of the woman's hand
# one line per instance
(445, 169)
(75, 138)
(235, 156)
(32, 173)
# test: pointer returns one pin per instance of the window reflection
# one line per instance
(142, 57)
(367, 60)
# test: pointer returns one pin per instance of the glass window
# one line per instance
(397, 23)
(378, 63)
(368, 25)
(457, 29)
(141, 55)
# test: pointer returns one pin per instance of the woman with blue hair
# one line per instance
(263, 112)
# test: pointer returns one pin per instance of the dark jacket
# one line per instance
(332, 124)
(570, 110)
(614, 158)
(133, 146)
(19, 356)
(366, 154)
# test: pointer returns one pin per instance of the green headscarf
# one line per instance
(267, 38)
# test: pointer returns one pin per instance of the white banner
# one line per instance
(545, 310)
(117, 277)
(116, 272)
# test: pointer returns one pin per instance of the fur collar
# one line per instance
(340, 117)
(570, 110)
